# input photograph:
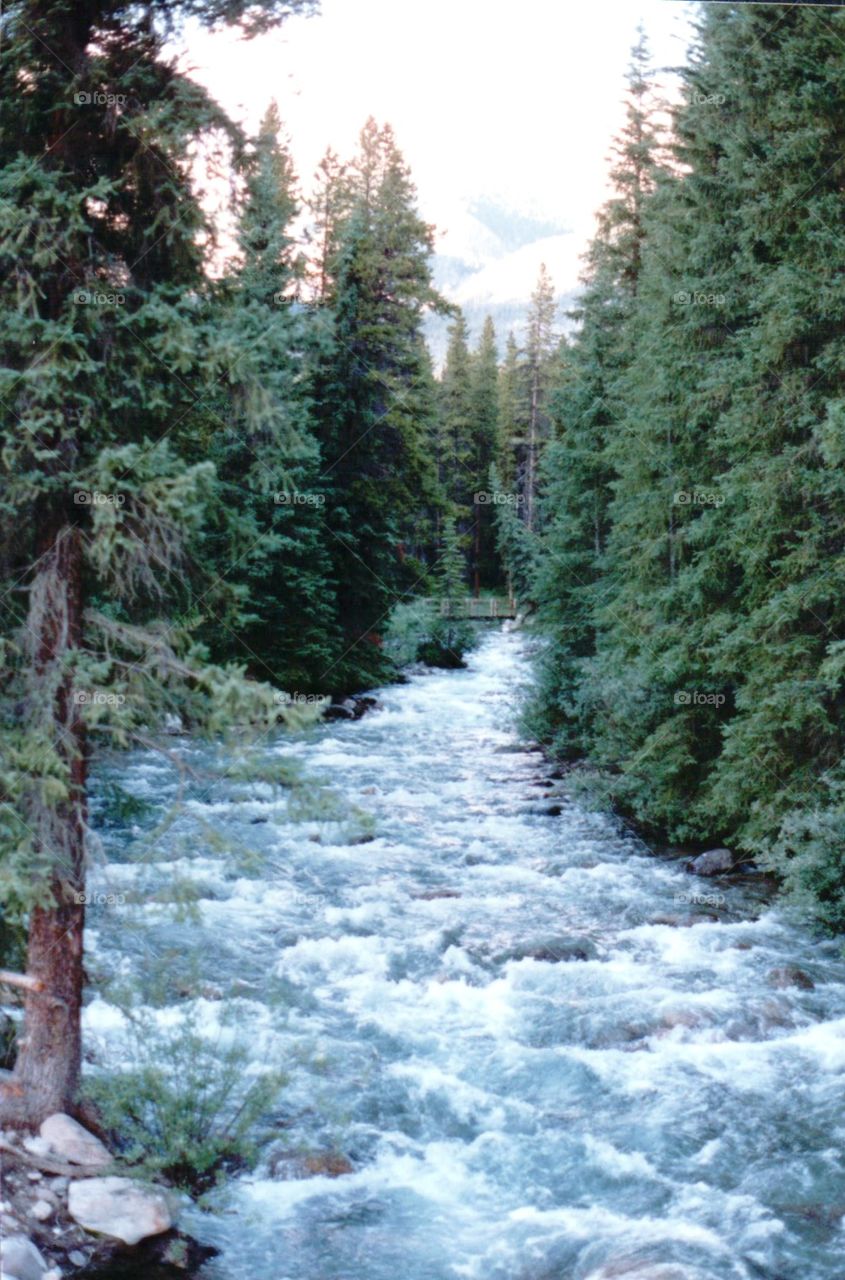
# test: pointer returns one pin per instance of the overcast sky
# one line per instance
(515, 102)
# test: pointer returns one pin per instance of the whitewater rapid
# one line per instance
(538, 1058)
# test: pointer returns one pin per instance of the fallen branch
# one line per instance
(9, 979)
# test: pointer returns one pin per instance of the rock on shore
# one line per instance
(61, 1214)
(715, 862)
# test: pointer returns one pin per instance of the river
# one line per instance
(497, 1011)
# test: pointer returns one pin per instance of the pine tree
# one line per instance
(329, 204)
(455, 429)
(484, 402)
(280, 616)
(511, 425)
(105, 328)
(539, 346)
(592, 439)
(374, 394)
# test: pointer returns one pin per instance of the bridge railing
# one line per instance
(481, 609)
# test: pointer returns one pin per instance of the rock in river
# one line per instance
(789, 976)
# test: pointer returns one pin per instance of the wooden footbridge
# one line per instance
(478, 609)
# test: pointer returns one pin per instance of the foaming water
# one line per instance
(538, 1065)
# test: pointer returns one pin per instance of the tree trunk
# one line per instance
(476, 574)
(46, 1074)
(531, 456)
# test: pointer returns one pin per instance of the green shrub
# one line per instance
(416, 633)
(184, 1110)
(410, 625)
(449, 640)
(807, 855)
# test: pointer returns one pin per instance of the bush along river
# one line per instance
(516, 1045)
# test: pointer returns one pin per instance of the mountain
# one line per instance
(487, 261)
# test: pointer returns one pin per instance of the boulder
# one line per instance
(119, 1207)
(340, 710)
(365, 703)
(351, 708)
(715, 862)
(67, 1138)
(20, 1259)
(789, 976)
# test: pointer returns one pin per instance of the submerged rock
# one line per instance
(789, 976)
(65, 1137)
(119, 1207)
(326, 1164)
(169, 1256)
(757, 1023)
(715, 862)
(550, 951)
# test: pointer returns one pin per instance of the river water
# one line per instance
(531, 1074)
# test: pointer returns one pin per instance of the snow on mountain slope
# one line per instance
(487, 262)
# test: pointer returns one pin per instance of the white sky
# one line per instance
(518, 102)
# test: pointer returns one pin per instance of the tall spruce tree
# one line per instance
(539, 348)
(587, 404)
(510, 415)
(374, 395)
(455, 430)
(484, 402)
(106, 345)
(328, 204)
(277, 611)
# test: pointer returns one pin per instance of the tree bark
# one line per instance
(46, 1074)
(476, 573)
(531, 452)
